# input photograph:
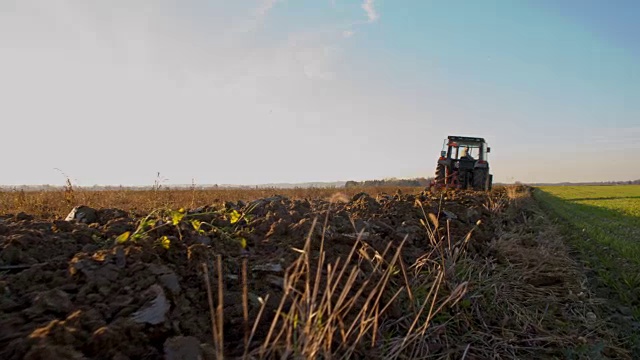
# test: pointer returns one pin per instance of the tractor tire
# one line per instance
(440, 175)
(490, 182)
(480, 180)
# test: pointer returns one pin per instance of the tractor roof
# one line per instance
(466, 138)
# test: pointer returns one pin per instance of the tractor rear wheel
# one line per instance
(440, 175)
(480, 180)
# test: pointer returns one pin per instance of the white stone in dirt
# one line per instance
(155, 312)
(272, 268)
(83, 214)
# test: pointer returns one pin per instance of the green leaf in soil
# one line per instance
(176, 217)
(123, 237)
(235, 216)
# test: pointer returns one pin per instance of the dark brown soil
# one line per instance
(67, 291)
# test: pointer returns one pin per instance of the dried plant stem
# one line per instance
(220, 308)
(245, 302)
(214, 329)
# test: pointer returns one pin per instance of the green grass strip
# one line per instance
(602, 227)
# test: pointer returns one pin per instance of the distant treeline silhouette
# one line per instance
(603, 183)
(390, 182)
(630, 182)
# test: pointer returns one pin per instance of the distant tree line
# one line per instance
(630, 182)
(603, 183)
(390, 182)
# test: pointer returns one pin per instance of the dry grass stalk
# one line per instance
(245, 301)
(214, 327)
(332, 315)
(220, 308)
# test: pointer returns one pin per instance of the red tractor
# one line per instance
(463, 164)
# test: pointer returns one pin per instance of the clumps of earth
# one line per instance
(69, 290)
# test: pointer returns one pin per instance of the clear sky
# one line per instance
(268, 91)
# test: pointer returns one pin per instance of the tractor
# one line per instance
(463, 164)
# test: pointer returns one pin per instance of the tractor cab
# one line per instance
(464, 163)
(465, 148)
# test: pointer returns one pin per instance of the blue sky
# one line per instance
(267, 91)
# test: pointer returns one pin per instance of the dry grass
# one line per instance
(56, 204)
(541, 305)
(366, 304)
(526, 300)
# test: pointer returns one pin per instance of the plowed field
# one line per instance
(419, 275)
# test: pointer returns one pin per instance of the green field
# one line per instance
(603, 224)
(609, 215)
